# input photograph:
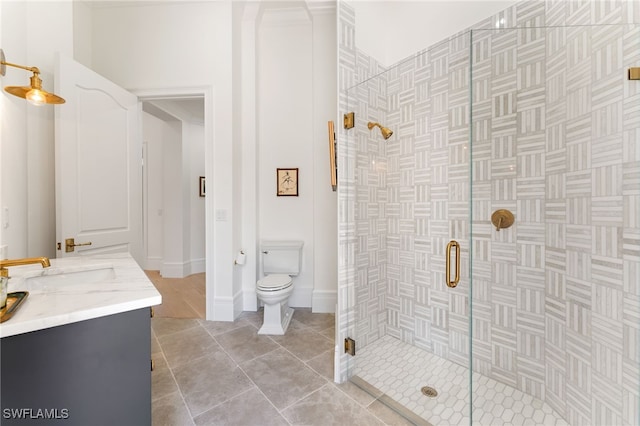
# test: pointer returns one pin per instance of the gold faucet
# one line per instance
(4, 272)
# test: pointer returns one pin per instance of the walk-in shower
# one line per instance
(539, 121)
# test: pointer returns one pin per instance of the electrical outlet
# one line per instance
(4, 252)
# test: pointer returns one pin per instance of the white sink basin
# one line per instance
(87, 275)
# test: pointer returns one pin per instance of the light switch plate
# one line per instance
(5, 217)
(221, 215)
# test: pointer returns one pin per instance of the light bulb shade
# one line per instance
(21, 92)
(34, 93)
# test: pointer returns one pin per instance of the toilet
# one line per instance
(280, 261)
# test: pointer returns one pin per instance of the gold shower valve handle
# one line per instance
(502, 219)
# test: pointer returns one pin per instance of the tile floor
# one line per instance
(401, 370)
(221, 373)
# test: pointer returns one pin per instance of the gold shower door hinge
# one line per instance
(634, 73)
(350, 346)
(349, 120)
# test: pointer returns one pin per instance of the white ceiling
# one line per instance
(184, 109)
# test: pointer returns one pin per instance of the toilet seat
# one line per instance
(275, 282)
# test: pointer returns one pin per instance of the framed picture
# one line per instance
(287, 183)
(202, 186)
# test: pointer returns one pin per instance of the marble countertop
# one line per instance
(77, 289)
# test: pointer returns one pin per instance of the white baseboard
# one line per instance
(182, 269)
(324, 301)
(226, 308)
(197, 266)
(174, 270)
(223, 308)
(249, 300)
(153, 263)
(238, 303)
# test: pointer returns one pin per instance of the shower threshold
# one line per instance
(398, 371)
(391, 403)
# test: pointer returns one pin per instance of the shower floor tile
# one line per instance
(400, 371)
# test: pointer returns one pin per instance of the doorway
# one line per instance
(173, 203)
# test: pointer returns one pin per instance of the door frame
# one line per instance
(205, 92)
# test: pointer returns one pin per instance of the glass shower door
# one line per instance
(409, 205)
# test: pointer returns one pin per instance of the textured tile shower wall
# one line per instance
(555, 141)
(428, 198)
(556, 303)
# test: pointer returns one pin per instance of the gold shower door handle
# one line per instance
(456, 280)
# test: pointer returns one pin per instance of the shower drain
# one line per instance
(429, 391)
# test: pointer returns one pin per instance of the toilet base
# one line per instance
(276, 319)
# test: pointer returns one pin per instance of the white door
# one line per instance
(98, 164)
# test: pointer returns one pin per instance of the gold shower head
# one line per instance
(386, 132)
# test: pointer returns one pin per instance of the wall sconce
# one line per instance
(32, 93)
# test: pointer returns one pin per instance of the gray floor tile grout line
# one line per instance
(258, 388)
(191, 414)
(255, 385)
(328, 382)
(184, 401)
(176, 332)
(305, 396)
(248, 377)
(263, 394)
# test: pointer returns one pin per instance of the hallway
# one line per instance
(181, 297)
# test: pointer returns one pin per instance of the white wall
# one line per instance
(31, 34)
(391, 31)
(153, 191)
(186, 45)
(173, 206)
(288, 94)
(325, 205)
(82, 33)
(285, 136)
(194, 145)
(149, 46)
(174, 212)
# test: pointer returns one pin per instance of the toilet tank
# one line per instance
(281, 257)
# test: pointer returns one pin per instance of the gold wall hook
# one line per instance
(502, 219)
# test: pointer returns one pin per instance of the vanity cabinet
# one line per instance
(93, 372)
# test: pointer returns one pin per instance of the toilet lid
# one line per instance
(274, 282)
